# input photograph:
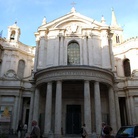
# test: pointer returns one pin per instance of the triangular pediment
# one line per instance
(72, 21)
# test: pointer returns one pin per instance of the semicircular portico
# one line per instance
(74, 73)
(79, 93)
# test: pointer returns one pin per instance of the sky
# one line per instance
(29, 14)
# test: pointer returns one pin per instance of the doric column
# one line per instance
(31, 111)
(112, 109)
(87, 106)
(36, 105)
(15, 122)
(48, 109)
(97, 101)
(58, 109)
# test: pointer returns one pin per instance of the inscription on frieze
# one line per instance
(74, 74)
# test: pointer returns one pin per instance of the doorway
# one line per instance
(123, 111)
(73, 119)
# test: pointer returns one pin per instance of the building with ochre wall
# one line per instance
(80, 71)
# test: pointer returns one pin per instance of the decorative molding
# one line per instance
(135, 73)
(10, 74)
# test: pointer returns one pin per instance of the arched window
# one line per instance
(73, 52)
(127, 69)
(21, 67)
(12, 37)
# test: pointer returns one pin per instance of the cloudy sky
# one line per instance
(29, 14)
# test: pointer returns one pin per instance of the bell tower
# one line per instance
(116, 30)
(13, 32)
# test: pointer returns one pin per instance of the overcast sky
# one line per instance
(29, 14)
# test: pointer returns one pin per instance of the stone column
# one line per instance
(48, 109)
(31, 112)
(15, 122)
(58, 109)
(97, 101)
(36, 105)
(112, 109)
(87, 106)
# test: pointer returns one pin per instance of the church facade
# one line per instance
(80, 71)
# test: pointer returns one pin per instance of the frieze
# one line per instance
(80, 74)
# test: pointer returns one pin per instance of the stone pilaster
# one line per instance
(36, 56)
(41, 52)
(132, 110)
(105, 50)
(61, 50)
(85, 50)
(128, 109)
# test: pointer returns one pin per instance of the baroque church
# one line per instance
(80, 71)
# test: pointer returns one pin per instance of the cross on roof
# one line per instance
(73, 4)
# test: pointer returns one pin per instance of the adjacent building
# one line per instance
(80, 71)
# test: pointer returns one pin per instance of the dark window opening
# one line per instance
(12, 37)
(117, 39)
